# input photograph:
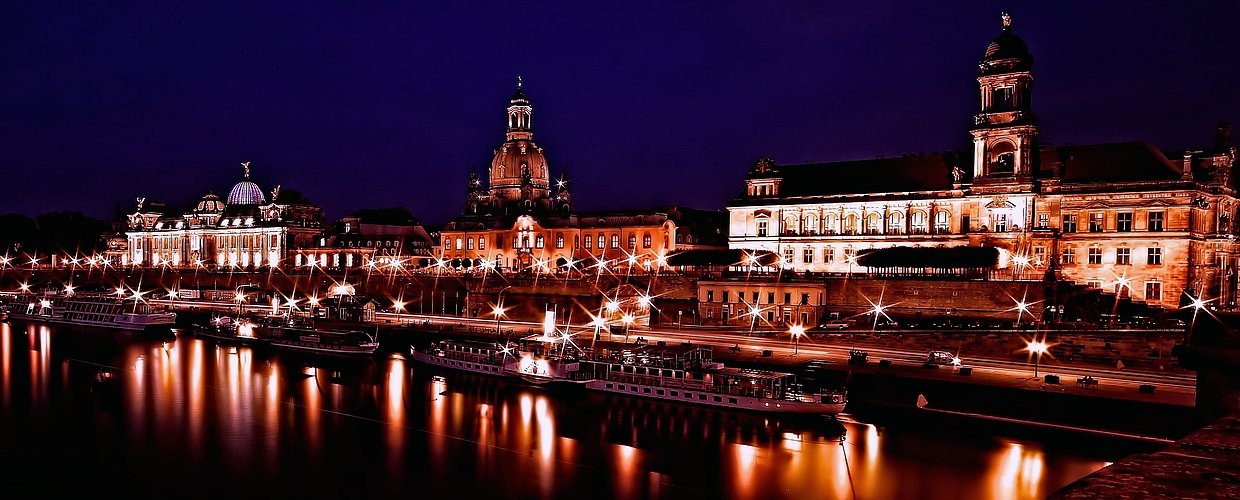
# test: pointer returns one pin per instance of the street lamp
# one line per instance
(797, 331)
(1037, 348)
(240, 296)
(498, 311)
(399, 306)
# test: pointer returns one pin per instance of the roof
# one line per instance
(720, 257)
(1114, 162)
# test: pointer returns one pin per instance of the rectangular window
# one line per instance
(1123, 256)
(1095, 222)
(725, 296)
(1001, 223)
(1153, 256)
(559, 241)
(1153, 290)
(1155, 221)
(828, 255)
(710, 295)
(787, 297)
(459, 244)
(848, 255)
(1069, 223)
(601, 242)
(755, 297)
(1095, 255)
(787, 255)
(615, 241)
(1069, 255)
(805, 299)
(469, 243)
(632, 242)
(807, 255)
(1093, 284)
(646, 240)
(538, 241)
(761, 228)
(499, 241)
(587, 241)
(1123, 222)
(1044, 221)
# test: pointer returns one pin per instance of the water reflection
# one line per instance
(225, 416)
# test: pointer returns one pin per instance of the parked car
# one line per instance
(835, 325)
(940, 358)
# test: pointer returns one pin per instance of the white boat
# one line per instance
(104, 311)
(473, 357)
(547, 359)
(692, 377)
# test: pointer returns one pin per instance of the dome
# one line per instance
(506, 167)
(210, 203)
(1007, 52)
(246, 193)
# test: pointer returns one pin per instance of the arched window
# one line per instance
(811, 223)
(632, 241)
(646, 241)
(830, 224)
(918, 221)
(871, 223)
(1002, 158)
(850, 223)
(790, 224)
(942, 221)
(895, 222)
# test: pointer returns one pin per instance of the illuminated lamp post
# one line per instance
(1037, 348)
(797, 331)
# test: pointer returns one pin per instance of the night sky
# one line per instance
(376, 104)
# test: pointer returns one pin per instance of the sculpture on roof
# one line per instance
(1007, 20)
(141, 203)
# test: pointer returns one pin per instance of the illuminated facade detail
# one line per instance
(1117, 215)
(519, 219)
(245, 233)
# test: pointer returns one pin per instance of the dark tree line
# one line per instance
(51, 232)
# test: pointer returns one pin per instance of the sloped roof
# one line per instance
(1114, 162)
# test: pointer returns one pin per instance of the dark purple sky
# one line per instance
(373, 104)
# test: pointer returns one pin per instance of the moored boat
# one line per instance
(549, 359)
(226, 329)
(322, 341)
(473, 357)
(104, 311)
(691, 376)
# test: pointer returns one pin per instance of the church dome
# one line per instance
(1007, 52)
(246, 192)
(210, 203)
(513, 159)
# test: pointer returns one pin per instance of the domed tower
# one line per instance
(1005, 129)
(246, 192)
(518, 175)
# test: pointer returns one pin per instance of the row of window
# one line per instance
(1123, 256)
(851, 223)
(1153, 289)
(1123, 222)
(755, 296)
(524, 241)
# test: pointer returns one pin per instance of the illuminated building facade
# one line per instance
(520, 221)
(1126, 217)
(245, 231)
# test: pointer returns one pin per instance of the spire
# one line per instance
(1007, 23)
(518, 83)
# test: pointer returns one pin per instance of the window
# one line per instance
(646, 241)
(587, 241)
(1153, 256)
(770, 297)
(710, 295)
(1155, 221)
(787, 255)
(459, 244)
(482, 243)
(894, 221)
(941, 221)
(807, 255)
(755, 297)
(1069, 255)
(469, 243)
(848, 255)
(1123, 222)
(761, 228)
(538, 241)
(918, 222)
(1095, 222)
(787, 297)
(1093, 284)
(1153, 290)
(1044, 221)
(828, 255)
(805, 299)
(1001, 223)
(1095, 255)
(1123, 256)
(499, 241)
(1002, 99)
(615, 241)
(725, 296)
(559, 241)
(632, 242)
(1069, 223)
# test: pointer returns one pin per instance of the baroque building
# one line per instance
(243, 231)
(1127, 217)
(519, 220)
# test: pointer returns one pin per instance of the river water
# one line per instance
(175, 416)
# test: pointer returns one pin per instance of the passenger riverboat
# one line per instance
(473, 357)
(103, 311)
(228, 330)
(305, 338)
(548, 359)
(691, 376)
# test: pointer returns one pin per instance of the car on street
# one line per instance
(940, 358)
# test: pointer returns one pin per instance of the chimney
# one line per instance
(1187, 173)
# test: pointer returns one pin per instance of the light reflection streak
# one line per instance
(395, 416)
